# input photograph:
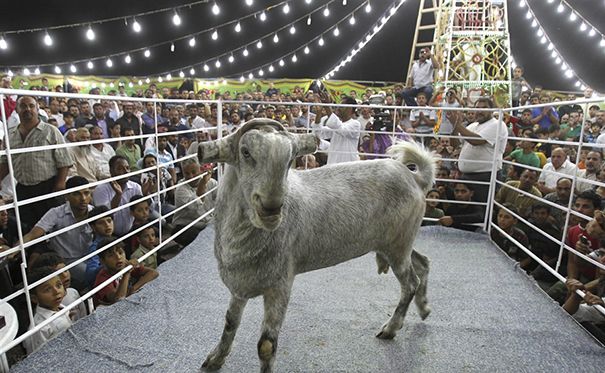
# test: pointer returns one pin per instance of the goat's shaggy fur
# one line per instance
(273, 222)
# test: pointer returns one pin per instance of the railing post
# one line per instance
(489, 210)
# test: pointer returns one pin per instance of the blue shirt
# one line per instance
(545, 122)
(93, 265)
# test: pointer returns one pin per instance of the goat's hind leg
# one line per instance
(404, 271)
(421, 267)
(217, 356)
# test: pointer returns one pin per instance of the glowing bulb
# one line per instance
(127, 59)
(551, 46)
(37, 71)
(192, 42)
(250, 76)
(176, 19)
(245, 52)
(206, 67)
(553, 54)
(169, 76)
(136, 26)
(90, 65)
(560, 8)
(140, 82)
(344, 2)
(583, 27)
(10, 73)
(326, 11)
(238, 27)
(569, 73)
(294, 58)
(263, 17)
(147, 80)
(172, 47)
(231, 59)
(249, 2)
(259, 44)
(592, 32)
(558, 60)
(130, 84)
(160, 79)
(261, 72)
(528, 15)
(192, 71)
(281, 63)
(368, 8)
(90, 34)
(534, 24)
(602, 43)
(109, 62)
(573, 16)
(336, 31)
(214, 35)
(309, 21)
(540, 33)
(26, 71)
(48, 40)
(352, 20)
(271, 68)
(3, 43)
(72, 68)
(286, 8)
(215, 9)
(307, 50)
(147, 53)
(521, 3)
(543, 39)
(392, 11)
(217, 63)
(57, 70)
(275, 38)
(292, 30)
(321, 42)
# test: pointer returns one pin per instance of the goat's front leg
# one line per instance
(217, 357)
(276, 304)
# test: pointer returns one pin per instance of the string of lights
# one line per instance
(585, 26)
(291, 55)
(554, 52)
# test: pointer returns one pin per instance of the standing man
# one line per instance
(421, 77)
(488, 140)
(37, 172)
(102, 120)
(343, 131)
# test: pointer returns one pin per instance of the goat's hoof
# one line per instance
(385, 334)
(425, 312)
(212, 363)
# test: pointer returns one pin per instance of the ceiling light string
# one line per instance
(266, 38)
(554, 52)
(585, 25)
(48, 40)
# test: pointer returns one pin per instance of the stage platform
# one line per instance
(487, 316)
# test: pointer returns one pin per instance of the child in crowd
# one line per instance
(114, 260)
(102, 229)
(432, 211)
(462, 215)
(141, 212)
(147, 241)
(508, 223)
(55, 262)
(48, 297)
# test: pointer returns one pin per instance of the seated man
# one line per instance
(561, 197)
(84, 161)
(522, 202)
(558, 163)
(460, 215)
(73, 244)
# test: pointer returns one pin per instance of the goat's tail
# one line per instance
(419, 160)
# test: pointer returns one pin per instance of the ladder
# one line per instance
(425, 22)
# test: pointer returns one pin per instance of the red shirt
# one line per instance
(9, 105)
(573, 235)
(103, 275)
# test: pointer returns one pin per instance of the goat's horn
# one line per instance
(305, 144)
(258, 123)
(217, 150)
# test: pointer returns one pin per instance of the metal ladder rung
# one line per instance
(425, 44)
(427, 27)
(429, 10)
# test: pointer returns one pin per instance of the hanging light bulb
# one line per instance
(238, 27)
(214, 35)
(127, 59)
(191, 71)
(109, 62)
(534, 24)
(259, 44)
(176, 19)
(393, 10)
(90, 65)
(160, 79)
(286, 8)
(249, 2)
(245, 52)
(309, 20)
(26, 72)
(275, 38)
(250, 76)
(147, 80)
(352, 20)
(147, 53)
(292, 30)
(560, 8)
(90, 34)
(569, 73)
(242, 79)
(573, 16)
(592, 32)
(271, 68)
(37, 71)
(263, 17)
(528, 15)
(344, 2)
(172, 47)
(281, 62)
(307, 50)
(215, 9)
(192, 42)
(336, 31)
(540, 33)
(261, 72)
(130, 84)
(206, 67)
(583, 27)
(182, 74)
(3, 43)
(217, 64)
(136, 26)
(602, 43)
(168, 76)
(321, 42)
(231, 59)
(326, 11)
(57, 70)
(48, 40)
(294, 58)
(368, 7)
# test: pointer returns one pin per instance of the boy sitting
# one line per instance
(114, 260)
(48, 297)
(147, 242)
(102, 228)
(55, 262)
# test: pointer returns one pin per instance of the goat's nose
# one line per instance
(270, 208)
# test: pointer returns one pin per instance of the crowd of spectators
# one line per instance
(532, 170)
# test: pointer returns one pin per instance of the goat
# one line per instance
(273, 222)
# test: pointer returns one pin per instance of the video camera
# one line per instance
(383, 118)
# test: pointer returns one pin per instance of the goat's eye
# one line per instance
(245, 153)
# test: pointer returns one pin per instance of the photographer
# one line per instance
(450, 100)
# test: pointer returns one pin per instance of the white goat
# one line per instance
(273, 222)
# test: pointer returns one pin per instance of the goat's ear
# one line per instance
(305, 144)
(216, 151)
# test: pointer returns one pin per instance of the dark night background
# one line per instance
(383, 59)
